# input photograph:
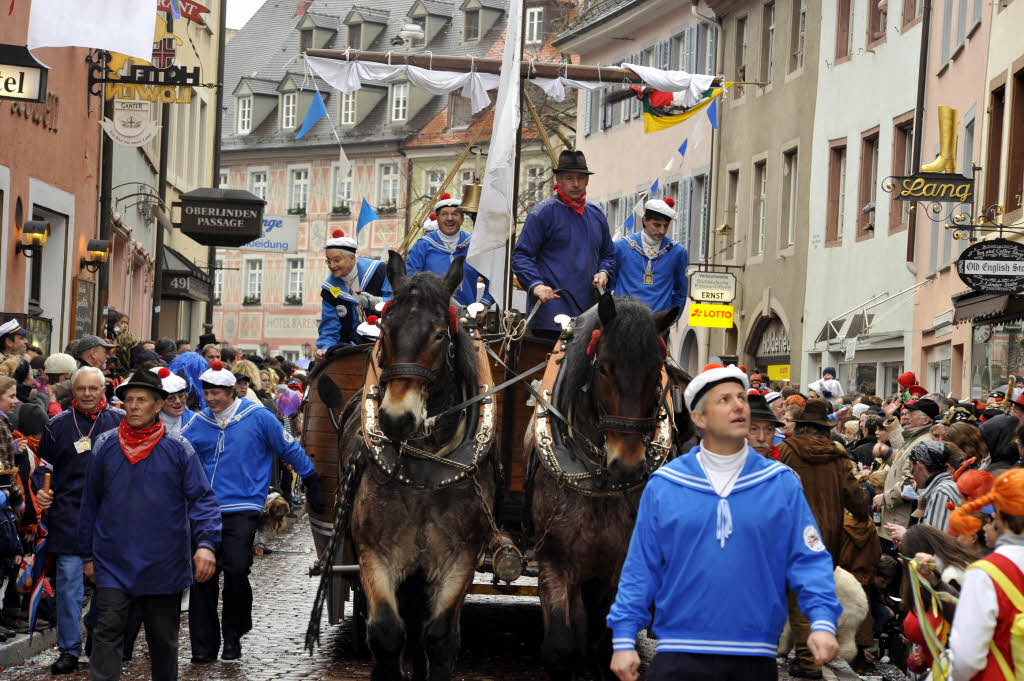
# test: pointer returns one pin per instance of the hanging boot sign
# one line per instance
(132, 124)
(938, 181)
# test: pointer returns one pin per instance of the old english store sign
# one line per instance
(21, 76)
(995, 266)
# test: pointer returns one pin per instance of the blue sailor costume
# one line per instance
(430, 254)
(341, 312)
(659, 281)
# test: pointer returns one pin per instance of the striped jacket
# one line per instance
(939, 490)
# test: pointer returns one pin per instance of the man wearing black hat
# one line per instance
(763, 423)
(146, 502)
(829, 485)
(565, 244)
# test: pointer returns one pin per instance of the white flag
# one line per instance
(494, 220)
(125, 26)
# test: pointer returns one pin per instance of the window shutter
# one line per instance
(976, 9)
(961, 22)
(947, 32)
(682, 228)
(636, 104)
(666, 55)
(693, 32)
(711, 62)
(704, 204)
(586, 112)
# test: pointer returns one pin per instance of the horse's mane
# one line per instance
(631, 334)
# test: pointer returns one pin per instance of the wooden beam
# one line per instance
(610, 75)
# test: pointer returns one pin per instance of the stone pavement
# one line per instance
(501, 636)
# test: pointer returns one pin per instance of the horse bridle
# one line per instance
(416, 371)
(616, 423)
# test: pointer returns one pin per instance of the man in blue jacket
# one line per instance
(237, 441)
(146, 502)
(435, 251)
(719, 534)
(564, 244)
(351, 291)
(650, 265)
(67, 444)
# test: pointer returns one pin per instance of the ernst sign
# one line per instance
(221, 217)
(940, 187)
(995, 266)
(712, 287)
(21, 76)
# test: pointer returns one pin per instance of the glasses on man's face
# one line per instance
(176, 397)
(337, 262)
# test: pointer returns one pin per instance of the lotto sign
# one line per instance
(711, 316)
(778, 372)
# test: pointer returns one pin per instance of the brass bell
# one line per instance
(471, 198)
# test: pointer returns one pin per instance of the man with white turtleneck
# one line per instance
(704, 519)
(650, 265)
(175, 416)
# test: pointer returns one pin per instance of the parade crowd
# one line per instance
(135, 470)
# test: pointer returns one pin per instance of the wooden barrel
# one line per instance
(347, 368)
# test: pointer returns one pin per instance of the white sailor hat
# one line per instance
(712, 375)
(446, 200)
(12, 326)
(218, 375)
(339, 240)
(369, 328)
(666, 207)
(173, 383)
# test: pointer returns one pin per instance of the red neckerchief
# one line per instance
(91, 415)
(137, 443)
(774, 453)
(577, 206)
(33, 442)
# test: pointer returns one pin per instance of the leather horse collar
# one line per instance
(574, 463)
(417, 467)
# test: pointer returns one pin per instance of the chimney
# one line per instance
(302, 6)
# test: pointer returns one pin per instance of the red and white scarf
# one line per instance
(577, 206)
(91, 415)
(137, 443)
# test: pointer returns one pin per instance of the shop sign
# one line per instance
(778, 372)
(711, 316)
(939, 187)
(189, 9)
(712, 287)
(178, 285)
(132, 124)
(995, 266)
(774, 341)
(280, 235)
(221, 217)
(21, 76)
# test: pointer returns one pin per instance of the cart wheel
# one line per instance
(359, 613)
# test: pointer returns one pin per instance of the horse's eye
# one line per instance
(439, 336)
(602, 369)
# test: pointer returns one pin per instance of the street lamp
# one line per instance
(97, 253)
(33, 238)
(307, 349)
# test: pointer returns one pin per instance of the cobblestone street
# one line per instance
(501, 635)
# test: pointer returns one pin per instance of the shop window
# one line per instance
(997, 352)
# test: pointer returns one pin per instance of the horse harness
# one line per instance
(577, 462)
(412, 465)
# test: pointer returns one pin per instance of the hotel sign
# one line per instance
(221, 217)
(939, 187)
(21, 76)
(995, 266)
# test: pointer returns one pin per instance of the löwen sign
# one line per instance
(221, 217)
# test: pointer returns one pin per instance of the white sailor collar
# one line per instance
(244, 410)
(434, 240)
(634, 241)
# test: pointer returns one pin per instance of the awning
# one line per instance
(182, 280)
(974, 306)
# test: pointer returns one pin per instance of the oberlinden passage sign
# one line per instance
(221, 217)
(995, 266)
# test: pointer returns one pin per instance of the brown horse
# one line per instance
(587, 478)
(418, 524)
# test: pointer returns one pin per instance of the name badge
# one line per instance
(83, 445)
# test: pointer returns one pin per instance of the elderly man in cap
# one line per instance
(895, 501)
(929, 462)
(175, 416)
(147, 502)
(13, 339)
(650, 265)
(351, 292)
(435, 251)
(564, 244)
(764, 425)
(237, 441)
(703, 518)
(67, 443)
(830, 487)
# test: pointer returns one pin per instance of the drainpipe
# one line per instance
(106, 209)
(922, 79)
(211, 253)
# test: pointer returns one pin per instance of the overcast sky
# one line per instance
(239, 11)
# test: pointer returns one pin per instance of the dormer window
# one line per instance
(305, 40)
(399, 102)
(288, 110)
(244, 115)
(347, 108)
(355, 34)
(420, 21)
(472, 28)
(534, 25)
